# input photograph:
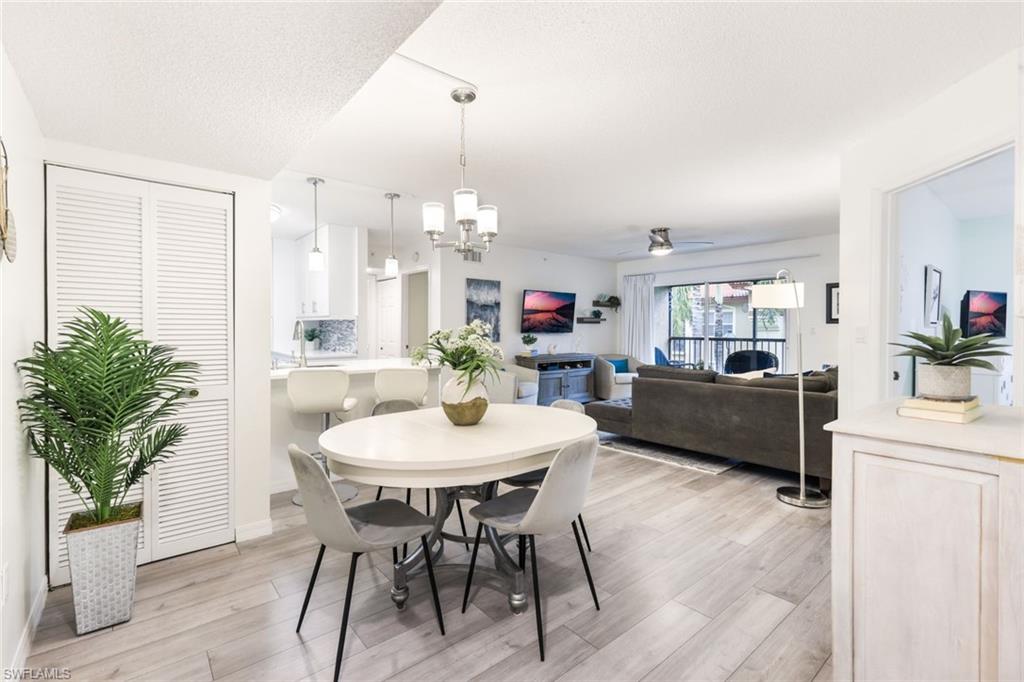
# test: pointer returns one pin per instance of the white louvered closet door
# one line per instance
(95, 247)
(160, 257)
(191, 503)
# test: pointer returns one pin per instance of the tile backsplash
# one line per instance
(338, 336)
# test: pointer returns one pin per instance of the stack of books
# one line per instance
(953, 411)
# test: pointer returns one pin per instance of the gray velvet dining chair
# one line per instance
(534, 478)
(528, 512)
(369, 527)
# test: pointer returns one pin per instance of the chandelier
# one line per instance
(468, 215)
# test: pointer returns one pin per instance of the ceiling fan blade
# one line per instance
(655, 239)
(708, 243)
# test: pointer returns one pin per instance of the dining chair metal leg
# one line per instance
(472, 565)
(522, 553)
(462, 519)
(408, 500)
(344, 616)
(309, 590)
(394, 555)
(586, 566)
(583, 527)
(536, 598)
(426, 493)
(380, 489)
(433, 583)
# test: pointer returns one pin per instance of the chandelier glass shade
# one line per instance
(469, 215)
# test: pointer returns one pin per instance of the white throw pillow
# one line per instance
(756, 374)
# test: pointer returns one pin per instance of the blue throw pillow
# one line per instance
(621, 366)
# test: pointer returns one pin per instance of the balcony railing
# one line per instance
(689, 350)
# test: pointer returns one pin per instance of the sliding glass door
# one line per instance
(709, 321)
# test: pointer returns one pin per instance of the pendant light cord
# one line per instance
(316, 217)
(392, 200)
(462, 141)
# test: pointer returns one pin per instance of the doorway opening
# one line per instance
(953, 247)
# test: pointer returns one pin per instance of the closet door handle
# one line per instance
(192, 393)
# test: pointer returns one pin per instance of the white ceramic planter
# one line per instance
(462, 406)
(102, 564)
(943, 382)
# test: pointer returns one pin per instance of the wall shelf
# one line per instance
(604, 304)
(589, 320)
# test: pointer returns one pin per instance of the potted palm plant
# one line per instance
(948, 359)
(471, 353)
(98, 409)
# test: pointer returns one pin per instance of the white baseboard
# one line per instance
(29, 631)
(251, 531)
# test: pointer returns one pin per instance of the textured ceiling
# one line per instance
(238, 87)
(598, 121)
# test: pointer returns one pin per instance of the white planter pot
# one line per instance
(102, 564)
(944, 382)
(462, 406)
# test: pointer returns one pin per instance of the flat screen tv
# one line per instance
(548, 312)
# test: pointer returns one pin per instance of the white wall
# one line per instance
(929, 234)
(253, 277)
(284, 309)
(986, 260)
(22, 479)
(978, 114)
(519, 269)
(814, 261)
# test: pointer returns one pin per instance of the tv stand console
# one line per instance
(568, 376)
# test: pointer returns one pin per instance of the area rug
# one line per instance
(708, 464)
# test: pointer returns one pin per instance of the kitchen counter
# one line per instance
(350, 365)
(304, 429)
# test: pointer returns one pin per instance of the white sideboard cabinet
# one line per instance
(928, 547)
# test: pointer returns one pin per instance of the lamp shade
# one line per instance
(390, 266)
(317, 262)
(465, 204)
(487, 221)
(433, 217)
(777, 295)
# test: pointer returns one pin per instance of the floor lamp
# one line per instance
(787, 294)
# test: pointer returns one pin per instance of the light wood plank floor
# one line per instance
(700, 577)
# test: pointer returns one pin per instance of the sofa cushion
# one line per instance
(621, 365)
(526, 389)
(736, 380)
(706, 376)
(624, 378)
(812, 384)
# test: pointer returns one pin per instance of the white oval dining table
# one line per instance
(422, 449)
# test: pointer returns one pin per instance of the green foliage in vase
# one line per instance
(99, 408)
(528, 339)
(312, 334)
(468, 350)
(952, 348)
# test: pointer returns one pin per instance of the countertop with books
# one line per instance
(998, 432)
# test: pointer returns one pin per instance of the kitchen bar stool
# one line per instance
(323, 391)
(400, 389)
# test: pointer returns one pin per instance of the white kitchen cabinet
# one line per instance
(928, 547)
(161, 258)
(334, 291)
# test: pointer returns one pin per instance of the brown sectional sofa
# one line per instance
(751, 420)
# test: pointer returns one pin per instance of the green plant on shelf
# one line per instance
(952, 348)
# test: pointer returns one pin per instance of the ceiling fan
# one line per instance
(661, 244)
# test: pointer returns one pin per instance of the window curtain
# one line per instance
(638, 317)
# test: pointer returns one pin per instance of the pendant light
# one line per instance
(317, 261)
(469, 215)
(391, 262)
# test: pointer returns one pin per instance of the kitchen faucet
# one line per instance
(299, 334)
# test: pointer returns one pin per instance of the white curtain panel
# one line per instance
(638, 317)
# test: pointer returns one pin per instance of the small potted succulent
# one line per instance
(529, 340)
(470, 352)
(948, 359)
(312, 335)
(99, 409)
